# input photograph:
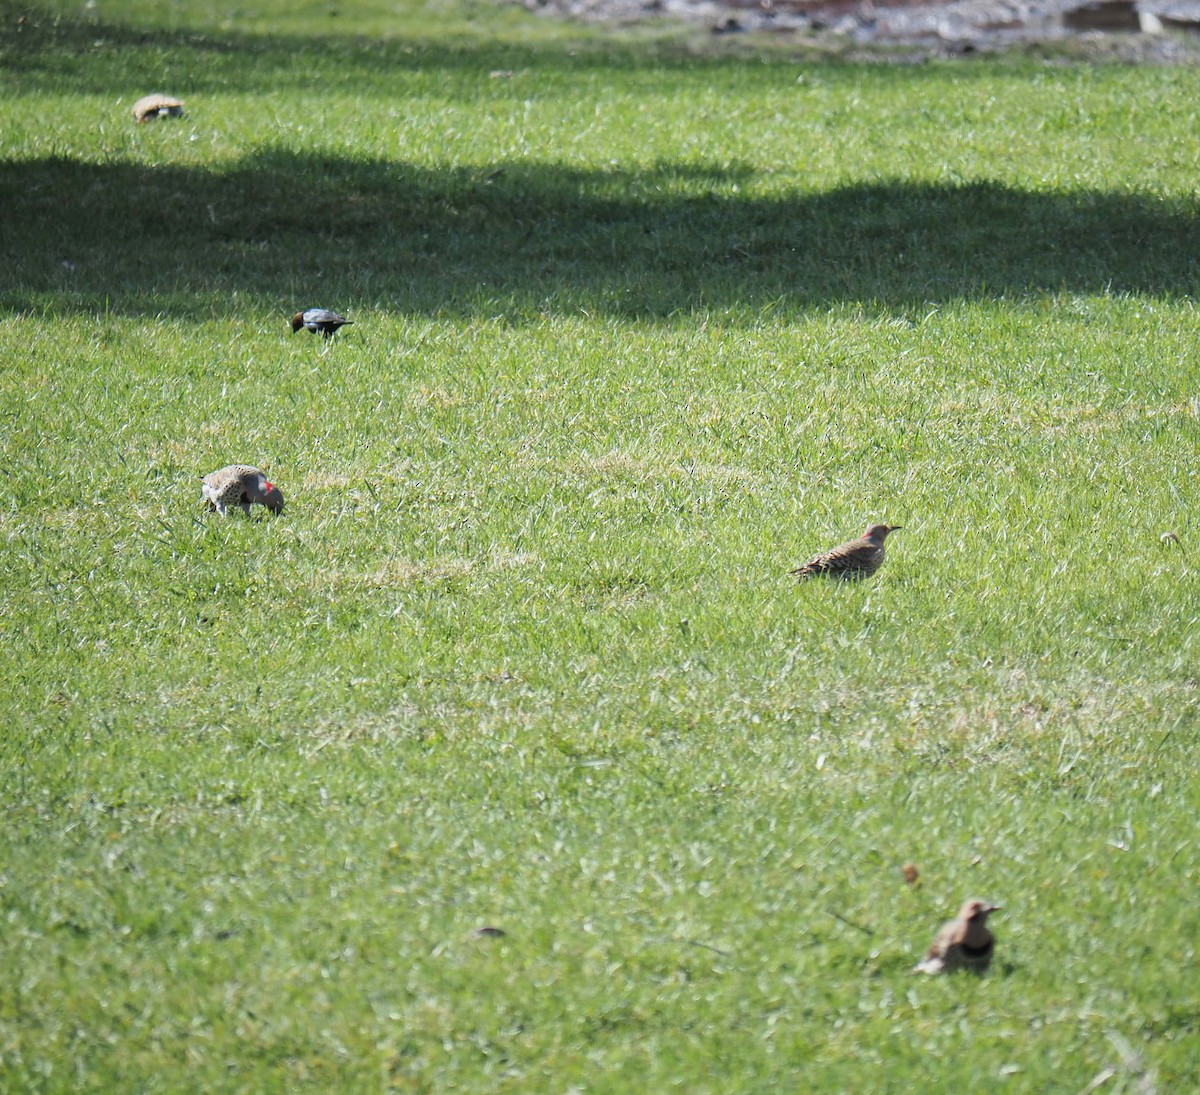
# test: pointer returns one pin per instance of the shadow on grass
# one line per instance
(519, 238)
(286, 228)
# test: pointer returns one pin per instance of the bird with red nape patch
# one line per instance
(240, 485)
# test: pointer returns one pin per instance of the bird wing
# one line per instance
(941, 951)
(852, 555)
(814, 566)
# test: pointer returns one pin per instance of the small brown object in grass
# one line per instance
(151, 107)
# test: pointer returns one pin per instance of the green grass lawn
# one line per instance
(639, 325)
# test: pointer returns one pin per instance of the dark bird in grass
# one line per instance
(963, 943)
(488, 932)
(318, 319)
(240, 485)
(854, 559)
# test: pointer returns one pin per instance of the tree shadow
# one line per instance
(282, 228)
(285, 229)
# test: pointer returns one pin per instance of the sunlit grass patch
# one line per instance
(637, 329)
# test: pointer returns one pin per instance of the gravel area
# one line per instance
(1162, 31)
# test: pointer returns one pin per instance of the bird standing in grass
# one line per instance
(240, 485)
(319, 319)
(963, 943)
(854, 559)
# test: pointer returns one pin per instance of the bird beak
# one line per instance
(895, 528)
(995, 908)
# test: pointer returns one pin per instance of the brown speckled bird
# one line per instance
(319, 320)
(963, 943)
(150, 107)
(240, 485)
(854, 559)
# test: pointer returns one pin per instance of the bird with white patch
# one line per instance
(964, 943)
(319, 321)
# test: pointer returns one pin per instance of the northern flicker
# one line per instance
(963, 943)
(150, 107)
(318, 319)
(240, 485)
(854, 559)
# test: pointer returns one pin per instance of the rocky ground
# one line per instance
(1163, 31)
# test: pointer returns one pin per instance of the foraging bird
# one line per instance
(854, 559)
(150, 107)
(318, 319)
(240, 485)
(963, 943)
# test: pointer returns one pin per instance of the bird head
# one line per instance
(880, 532)
(267, 493)
(297, 322)
(273, 499)
(976, 911)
